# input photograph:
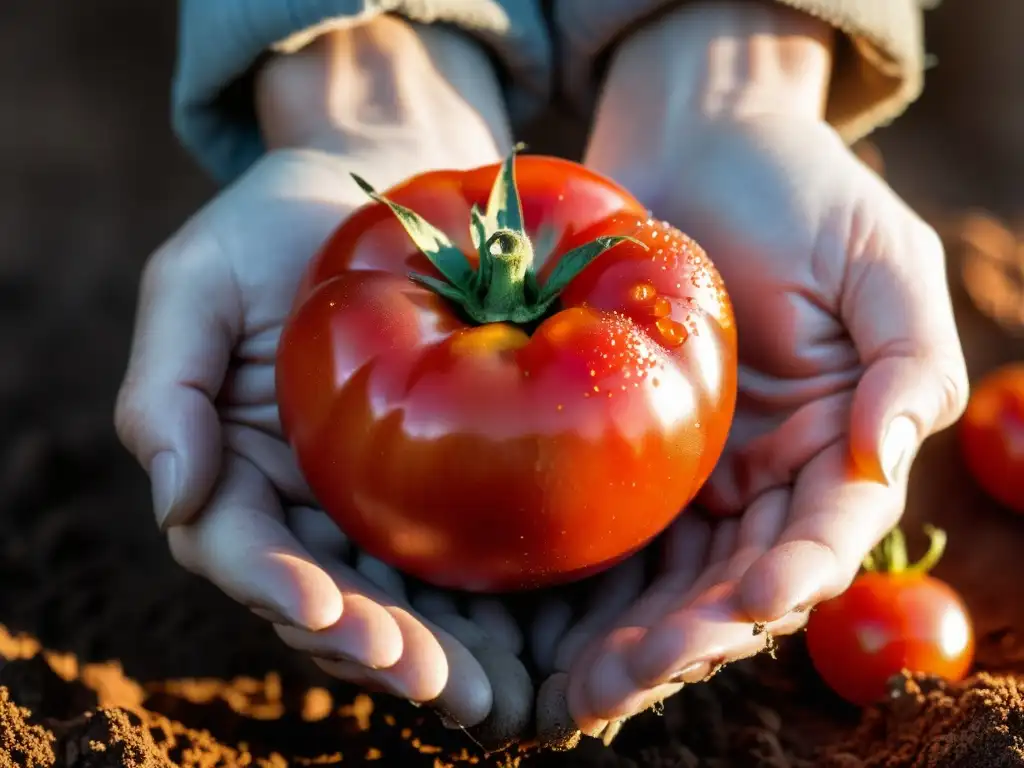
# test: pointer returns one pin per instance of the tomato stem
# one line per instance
(890, 556)
(504, 287)
(511, 260)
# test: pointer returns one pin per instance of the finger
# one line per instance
(252, 384)
(549, 626)
(441, 609)
(773, 459)
(686, 647)
(272, 456)
(512, 706)
(556, 729)
(383, 576)
(591, 710)
(187, 321)
(686, 548)
(498, 622)
(899, 313)
(673, 650)
(743, 541)
(318, 533)
(613, 592)
(511, 686)
(366, 634)
(835, 520)
(435, 668)
(242, 545)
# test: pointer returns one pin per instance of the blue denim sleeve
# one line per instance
(221, 41)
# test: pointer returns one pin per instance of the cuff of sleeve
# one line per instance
(879, 63)
(220, 42)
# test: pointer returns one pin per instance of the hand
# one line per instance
(849, 355)
(197, 406)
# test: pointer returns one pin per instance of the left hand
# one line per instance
(849, 359)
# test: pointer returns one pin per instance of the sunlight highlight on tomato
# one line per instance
(894, 617)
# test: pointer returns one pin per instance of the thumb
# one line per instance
(187, 322)
(898, 310)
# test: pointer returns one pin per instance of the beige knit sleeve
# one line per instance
(220, 41)
(879, 59)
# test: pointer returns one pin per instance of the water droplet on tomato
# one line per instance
(673, 334)
(641, 293)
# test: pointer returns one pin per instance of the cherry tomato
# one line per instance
(508, 377)
(992, 435)
(893, 617)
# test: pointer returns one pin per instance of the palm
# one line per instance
(817, 255)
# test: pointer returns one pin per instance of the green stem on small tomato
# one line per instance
(890, 556)
(503, 288)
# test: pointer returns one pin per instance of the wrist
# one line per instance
(383, 81)
(728, 58)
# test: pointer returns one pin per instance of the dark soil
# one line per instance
(148, 666)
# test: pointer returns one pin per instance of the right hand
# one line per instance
(197, 406)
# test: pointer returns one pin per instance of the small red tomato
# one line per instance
(992, 435)
(894, 617)
(507, 377)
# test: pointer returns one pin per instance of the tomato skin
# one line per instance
(992, 436)
(884, 623)
(484, 459)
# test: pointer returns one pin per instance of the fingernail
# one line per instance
(898, 446)
(691, 673)
(164, 478)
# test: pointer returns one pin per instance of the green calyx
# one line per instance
(890, 556)
(504, 286)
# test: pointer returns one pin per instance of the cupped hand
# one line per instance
(849, 359)
(197, 406)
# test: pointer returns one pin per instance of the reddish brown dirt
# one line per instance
(151, 667)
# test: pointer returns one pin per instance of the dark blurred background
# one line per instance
(91, 181)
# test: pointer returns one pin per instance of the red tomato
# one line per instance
(462, 430)
(992, 435)
(893, 617)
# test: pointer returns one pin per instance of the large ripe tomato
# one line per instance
(545, 395)
(992, 435)
(893, 617)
